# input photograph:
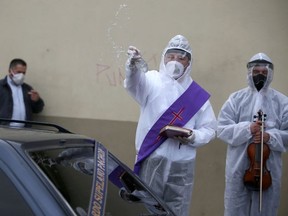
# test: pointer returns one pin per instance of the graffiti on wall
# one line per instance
(114, 76)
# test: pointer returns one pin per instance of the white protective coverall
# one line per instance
(169, 170)
(234, 122)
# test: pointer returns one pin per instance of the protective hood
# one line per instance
(260, 58)
(178, 42)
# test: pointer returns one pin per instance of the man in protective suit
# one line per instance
(169, 97)
(237, 127)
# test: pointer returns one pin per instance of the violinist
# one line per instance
(238, 128)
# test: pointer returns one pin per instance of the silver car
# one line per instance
(47, 170)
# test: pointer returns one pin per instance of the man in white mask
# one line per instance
(169, 97)
(238, 127)
(18, 100)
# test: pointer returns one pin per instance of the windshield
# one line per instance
(71, 170)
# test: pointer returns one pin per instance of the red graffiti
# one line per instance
(115, 78)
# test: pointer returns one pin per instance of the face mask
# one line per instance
(18, 78)
(174, 69)
(259, 81)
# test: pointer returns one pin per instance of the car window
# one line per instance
(74, 185)
(11, 201)
(71, 171)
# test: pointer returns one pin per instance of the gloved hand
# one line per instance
(255, 127)
(134, 54)
(135, 60)
(185, 140)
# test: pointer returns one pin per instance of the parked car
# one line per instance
(47, 170)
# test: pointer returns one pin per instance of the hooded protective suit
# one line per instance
(169, 170)
(234, 122)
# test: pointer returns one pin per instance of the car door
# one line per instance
(21, 191)
(107, 187)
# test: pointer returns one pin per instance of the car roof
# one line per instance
(37, 132)
(30, 135)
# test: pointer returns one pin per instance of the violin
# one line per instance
(257, 177)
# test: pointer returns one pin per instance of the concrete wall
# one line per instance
(76, 52)
(118, 137)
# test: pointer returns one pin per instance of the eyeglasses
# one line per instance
(260, 64)
(175, 57)
(260, 70)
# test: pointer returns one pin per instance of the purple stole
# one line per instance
(179, 113)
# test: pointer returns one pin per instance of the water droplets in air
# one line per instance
(116, 28)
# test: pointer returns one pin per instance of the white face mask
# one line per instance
(174, 69)
(18, 78)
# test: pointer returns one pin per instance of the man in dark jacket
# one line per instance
(18, 100)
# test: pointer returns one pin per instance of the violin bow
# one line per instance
(261, 163)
